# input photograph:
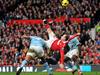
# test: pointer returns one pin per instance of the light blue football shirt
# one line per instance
(73, 44)
(37, 41)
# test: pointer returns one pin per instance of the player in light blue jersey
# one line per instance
(73, 47)
(73, 55)
(36, 48)
(73, 44)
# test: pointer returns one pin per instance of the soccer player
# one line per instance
(56, 44)
(36, 48)
(73, 55)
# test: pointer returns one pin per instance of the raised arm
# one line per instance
(73, 36)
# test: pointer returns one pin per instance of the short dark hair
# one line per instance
(67, 35)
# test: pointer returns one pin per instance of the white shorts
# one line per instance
(52, 38)
(71, 53)
(36, 50)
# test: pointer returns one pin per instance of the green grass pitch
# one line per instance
(55, 73)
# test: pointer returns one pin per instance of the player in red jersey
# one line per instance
(56, 44)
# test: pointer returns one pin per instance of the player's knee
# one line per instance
(28, 57)
(40, 53)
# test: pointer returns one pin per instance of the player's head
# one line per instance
(64, 36)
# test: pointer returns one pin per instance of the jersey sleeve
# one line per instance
(72, 37)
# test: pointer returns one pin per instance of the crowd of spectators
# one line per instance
(10, 37)
(37, 9)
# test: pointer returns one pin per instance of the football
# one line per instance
(65, 3)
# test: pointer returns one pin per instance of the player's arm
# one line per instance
(73, 36)
(77, 34)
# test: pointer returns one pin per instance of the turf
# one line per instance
(55, 73)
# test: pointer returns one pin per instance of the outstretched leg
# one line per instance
(46, 66)
(28, 58)
(76, 67)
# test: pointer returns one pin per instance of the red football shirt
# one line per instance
(58, 45)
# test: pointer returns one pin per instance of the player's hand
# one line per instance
(78, 33)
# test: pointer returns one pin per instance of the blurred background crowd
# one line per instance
(11, 42)
(37, 9)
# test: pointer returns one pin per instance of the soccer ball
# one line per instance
(65, 3)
